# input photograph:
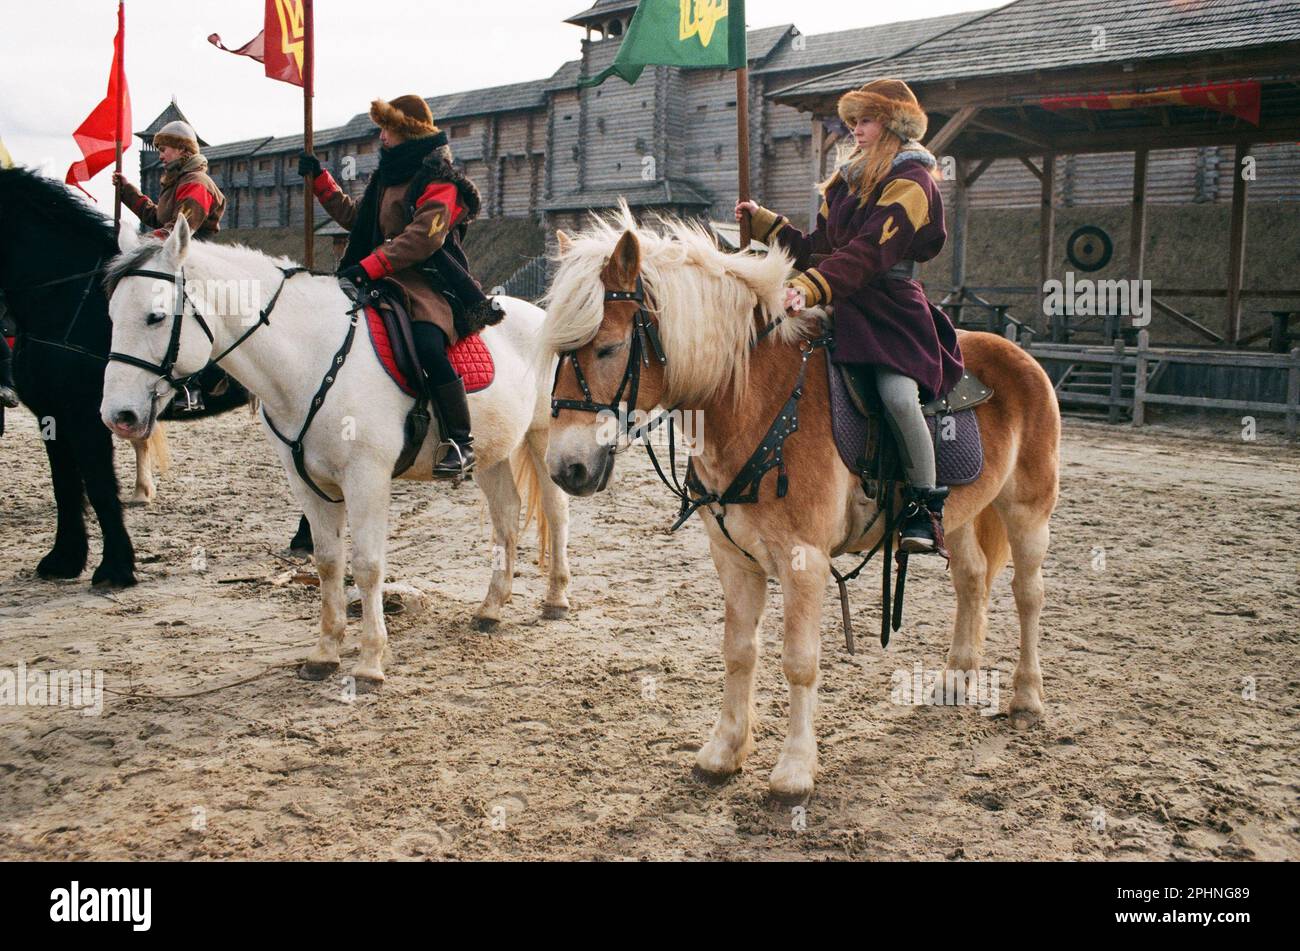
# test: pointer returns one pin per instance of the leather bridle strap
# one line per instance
(164, 369)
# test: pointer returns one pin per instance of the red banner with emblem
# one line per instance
(103, 129)
(280, 47)
(1235, 99)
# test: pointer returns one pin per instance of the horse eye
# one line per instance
(603, 352)
(154, 320)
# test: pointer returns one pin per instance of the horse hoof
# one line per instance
(59, 565)
(790, 797)
(1025, 719)
(710, 778)
(366, 684)
(554, 612)
(485, 625)
(315, 670)
(111, 576)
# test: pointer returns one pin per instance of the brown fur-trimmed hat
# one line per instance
(891, 103)
(408, 116)
(177, 135)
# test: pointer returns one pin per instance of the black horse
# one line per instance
(53, 248)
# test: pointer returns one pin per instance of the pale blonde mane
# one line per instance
(704, 299)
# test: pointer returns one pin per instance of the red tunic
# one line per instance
(887, 321)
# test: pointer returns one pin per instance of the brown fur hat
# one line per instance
(891, 103)
(408, 116)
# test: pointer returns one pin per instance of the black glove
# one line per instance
(356, 274)
(309, 165)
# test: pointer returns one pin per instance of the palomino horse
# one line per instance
(722, 359)
(172, 312)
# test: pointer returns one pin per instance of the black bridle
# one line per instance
(645, 340)
(164, 369)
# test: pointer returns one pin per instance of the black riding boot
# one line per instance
(8, 395)
(922, 532)
(459, 458)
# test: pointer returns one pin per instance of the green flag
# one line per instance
(695, 34)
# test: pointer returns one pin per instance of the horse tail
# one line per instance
(528, 483)
(157, 444)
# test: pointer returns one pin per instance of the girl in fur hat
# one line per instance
(880, 214)
(408, 227)
(186, 188)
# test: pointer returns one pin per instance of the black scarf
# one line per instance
(396, 165)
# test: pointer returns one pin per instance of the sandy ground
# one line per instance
(1172, 589)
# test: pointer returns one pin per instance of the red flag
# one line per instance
(280, 45)
(1236, 99)
(103, 129)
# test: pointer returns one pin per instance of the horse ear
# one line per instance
(627, 256)
(178, 242)
(127, 237)
(563, 241)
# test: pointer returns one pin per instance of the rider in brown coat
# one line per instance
(408, 227)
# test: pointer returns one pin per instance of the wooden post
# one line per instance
(1236, 246)
(1116, 381)
(308, 84)
(960, 214)
(1137, 235)
(742, 149)
(818, 148)
(1140, 381)
(121, 95)
(1293, 393)
(1046, 228)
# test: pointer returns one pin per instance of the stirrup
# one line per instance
(442, 470)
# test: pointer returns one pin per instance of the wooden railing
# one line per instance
(1147, 363)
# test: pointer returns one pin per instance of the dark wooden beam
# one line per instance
(1185, 320)
(980, 169)
(940, 141)
(1127, 140)
(1237, 244)
(1023, 132)
(1137, 235)
(1046, 226)
(1027, 163)
(960, 222)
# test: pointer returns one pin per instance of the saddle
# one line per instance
(869, 449)
(389, 324)
(857, 419)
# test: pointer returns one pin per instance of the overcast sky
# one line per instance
(55, 58)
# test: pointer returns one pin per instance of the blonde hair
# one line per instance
(869, 167)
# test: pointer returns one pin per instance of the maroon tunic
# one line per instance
(879, 319)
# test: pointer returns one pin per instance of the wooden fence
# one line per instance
(1147, 364)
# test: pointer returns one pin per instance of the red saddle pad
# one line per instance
(469, 357)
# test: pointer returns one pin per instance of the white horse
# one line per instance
(356, 436)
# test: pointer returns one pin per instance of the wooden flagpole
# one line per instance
(308, 83)
(121, 90)
(742, 149)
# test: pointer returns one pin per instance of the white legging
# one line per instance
(902, 401)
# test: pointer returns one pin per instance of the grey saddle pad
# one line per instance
(960, 453)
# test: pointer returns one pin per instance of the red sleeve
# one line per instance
(377, 265)
(197, 194)
(446, 193)
(324, 185)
